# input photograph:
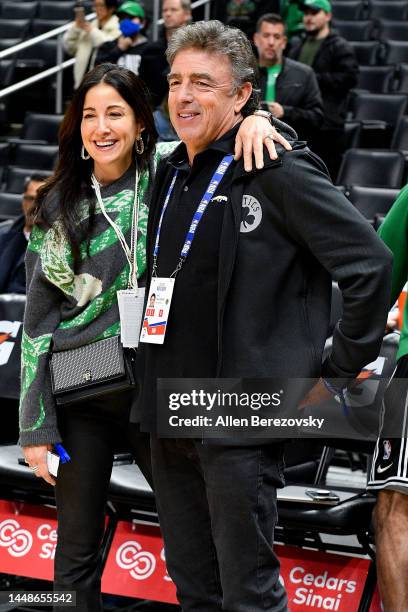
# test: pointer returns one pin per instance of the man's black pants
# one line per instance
(217, 510)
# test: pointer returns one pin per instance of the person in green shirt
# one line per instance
(289, 89)
(389, 474)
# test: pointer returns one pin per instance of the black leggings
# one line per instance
(91, 433)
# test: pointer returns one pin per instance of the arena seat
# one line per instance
(14, 28)
(371, 201)
(6, 72)
(42, 55)
(40, 26)
(16, 178)
(388, 9)
(348, 10)
(352, 132)
(5, 225)
(56, 10)
(375, 79)
(354, 30)
(4, 153)
(396, 52)
(18, 10)
(42, 157)
(367, 53)
(402, 79)
(378, 114)
(361, 167)
(5, 43)
(10, 205)
(394, 30)
(378, 221)
(400, 139)
(41, 128)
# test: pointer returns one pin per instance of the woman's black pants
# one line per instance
(91, 432)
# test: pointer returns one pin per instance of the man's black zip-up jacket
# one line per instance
(274, 283)
(336, 70)
(299, 94)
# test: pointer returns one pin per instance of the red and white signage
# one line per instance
(317, 580)
(136, 565)
(28, 537)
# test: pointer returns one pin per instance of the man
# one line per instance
(334, 62)
(289, 89)
(175, 13)
(389, 470)
(128, 49)
(13, 243)
(258, 292)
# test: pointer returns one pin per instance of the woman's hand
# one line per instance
(36, 457)
(253, 133)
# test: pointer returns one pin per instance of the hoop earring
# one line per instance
(139, 145)
(84, 155)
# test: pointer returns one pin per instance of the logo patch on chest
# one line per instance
(251, 215)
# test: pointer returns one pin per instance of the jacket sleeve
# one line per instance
(394, 232)
(109, 32)
(71, 39)
(38, 422)
(311, 110)
(344, 70)
(108, 52)
(320, 217)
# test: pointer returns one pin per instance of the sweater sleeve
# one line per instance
(47, 270)
(394, 232)
(71, 39)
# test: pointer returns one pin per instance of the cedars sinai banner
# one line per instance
(136, 563)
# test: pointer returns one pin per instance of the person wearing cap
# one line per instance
(128, 49)
(83, 38)
(334, 62)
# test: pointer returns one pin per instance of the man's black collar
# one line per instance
(225, 144)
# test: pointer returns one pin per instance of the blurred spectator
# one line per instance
(147, 59)
(175, 13)
(292, 14)
(128, 49)
(83, 38)
(335, 64)
(13, 243)
(289, 89)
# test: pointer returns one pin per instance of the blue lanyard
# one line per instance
(205, 200)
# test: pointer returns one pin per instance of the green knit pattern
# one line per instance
(53, 268)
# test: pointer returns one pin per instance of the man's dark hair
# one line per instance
(269, 18)
(37, 177)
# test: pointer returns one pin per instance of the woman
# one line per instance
(83, 38)
(75, 266)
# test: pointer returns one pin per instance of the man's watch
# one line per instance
(264, 113)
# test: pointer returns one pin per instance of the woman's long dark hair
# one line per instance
(72, 178)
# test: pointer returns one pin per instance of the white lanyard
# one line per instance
(130, 253)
